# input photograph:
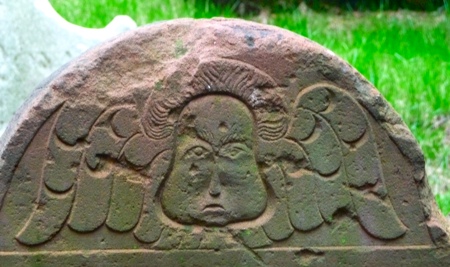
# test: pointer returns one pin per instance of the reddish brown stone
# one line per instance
(214, 143)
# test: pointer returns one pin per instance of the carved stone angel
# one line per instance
(226, 156)
(213, 143)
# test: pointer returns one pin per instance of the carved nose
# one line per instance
(214, 186)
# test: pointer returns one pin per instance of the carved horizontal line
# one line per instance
(150, 251)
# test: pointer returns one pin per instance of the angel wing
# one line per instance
(329, 162)
(96, 172)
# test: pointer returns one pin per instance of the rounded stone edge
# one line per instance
(44, 102)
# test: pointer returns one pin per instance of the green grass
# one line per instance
(99, 13)
(406, 55)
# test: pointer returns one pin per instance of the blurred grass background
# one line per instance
(404, 53)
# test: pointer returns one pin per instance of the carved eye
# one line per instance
(233, 150)
(197, 152)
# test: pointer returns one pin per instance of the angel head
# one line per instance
(214, 179)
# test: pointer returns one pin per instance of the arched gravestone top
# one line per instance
(214, 142)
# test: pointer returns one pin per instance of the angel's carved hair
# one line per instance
(245, 82)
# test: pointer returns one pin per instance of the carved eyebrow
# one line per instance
(205, 135)
(235, 138)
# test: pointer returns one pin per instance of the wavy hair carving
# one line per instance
(243, 81)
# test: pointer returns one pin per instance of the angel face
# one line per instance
(214, 178)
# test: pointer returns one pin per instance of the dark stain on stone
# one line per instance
(250, 40)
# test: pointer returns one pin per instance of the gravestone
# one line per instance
(214, 143)
(34, 42)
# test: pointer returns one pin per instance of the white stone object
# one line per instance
(34, 42)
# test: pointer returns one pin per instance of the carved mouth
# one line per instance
(213, 208)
